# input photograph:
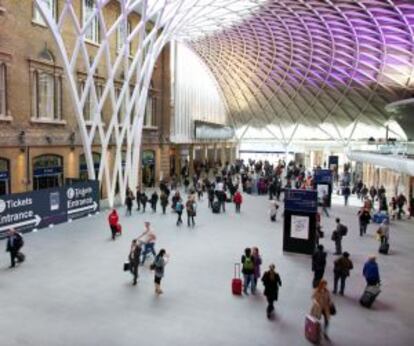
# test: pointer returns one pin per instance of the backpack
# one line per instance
(344, 230)
(179, 207)
(248, 264)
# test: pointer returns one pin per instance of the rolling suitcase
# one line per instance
(312, 329)
(21, 257)
(216, 207)
(369, 296)
(236, 283)
(384, 248)
(118, 229)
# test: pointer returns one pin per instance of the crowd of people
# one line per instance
(227, 185)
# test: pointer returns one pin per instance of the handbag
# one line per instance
(332, 309)
(127, 266)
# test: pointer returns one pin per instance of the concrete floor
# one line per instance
(72, 290)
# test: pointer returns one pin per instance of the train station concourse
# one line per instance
(181, 172)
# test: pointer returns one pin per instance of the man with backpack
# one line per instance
(247, 261)
(14, 243)
(340, 231)
(179, 210)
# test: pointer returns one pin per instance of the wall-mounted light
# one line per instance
(49, 140)
(21, 137)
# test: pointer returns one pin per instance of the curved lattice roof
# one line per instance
(314, 61)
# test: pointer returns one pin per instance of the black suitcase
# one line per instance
(216, 207)
(127, 266)
(384, 248)
(369, 296)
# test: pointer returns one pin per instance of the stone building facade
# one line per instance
(39, 142)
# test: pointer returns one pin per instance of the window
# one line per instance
(149, 118)
(3, 91)
(46, 95)
(4, 177)
(47, 171)
(91, 103)
(37, 16)
(92, 31)
(121, 34)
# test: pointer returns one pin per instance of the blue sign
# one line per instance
(47, 171)
(322, 176)
(84, 167)
(301, 200)
(4, 175)
(39, 209)
(333, 161)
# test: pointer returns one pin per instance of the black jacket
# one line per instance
(271, 286)
(17, 244)
(319, 260)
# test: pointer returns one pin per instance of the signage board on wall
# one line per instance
(300, 227)
(39, 209)
(301, 200)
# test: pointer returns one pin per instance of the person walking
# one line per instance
(342, 266)
(346, 192)
(163, 201)
(364, 216)
(113, 220)
(257, 259)
(144, 200)
(318, 265)
(179, 210)
(337, 235)
(271, 281)
(401, 201)
(273, 210)
(384, 232)
(128, 202)
(322, 304)
(158, 266)
(190, 207)
(211, 197)
(371, 272)
(14, 243)
(154, 201)
(138, 198)
(134, 259)
(237, 200)
(247, 261)
(148, 238)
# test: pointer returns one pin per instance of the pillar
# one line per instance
(191, 160)
(177, 159)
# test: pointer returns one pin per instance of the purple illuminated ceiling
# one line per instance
(315, 61)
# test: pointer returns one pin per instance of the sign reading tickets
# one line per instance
(39, 209)
(300, 227)
(301, 200)
(323, 176)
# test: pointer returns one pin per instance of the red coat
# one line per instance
(113, 219)
(238, 199)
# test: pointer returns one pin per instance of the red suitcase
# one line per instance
(119, 229)
(236, 283)
(312, 329)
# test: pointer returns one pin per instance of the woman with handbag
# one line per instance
(322, 304)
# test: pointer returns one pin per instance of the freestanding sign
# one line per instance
(323, 184)
(39, 209)
(299, 225)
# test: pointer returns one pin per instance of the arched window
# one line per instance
(47, 171)
(4, 176)
(83, 168)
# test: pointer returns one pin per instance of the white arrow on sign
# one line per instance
(35, 221)
(93, 206)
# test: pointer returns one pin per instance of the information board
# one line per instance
(322, 176)
(301, 200)
(39, 209)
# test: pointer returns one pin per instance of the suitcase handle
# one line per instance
(237, 270)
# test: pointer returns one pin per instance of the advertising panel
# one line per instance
(39, 209)
(300, 227)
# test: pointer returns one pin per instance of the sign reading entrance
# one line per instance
(39, 209)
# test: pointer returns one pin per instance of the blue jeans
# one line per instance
(249, 281)
(148, 248)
